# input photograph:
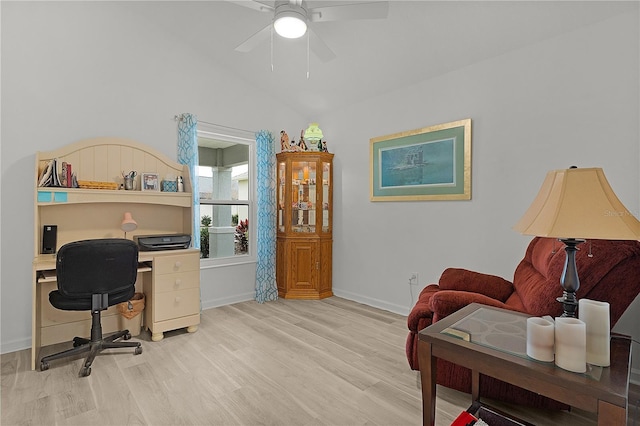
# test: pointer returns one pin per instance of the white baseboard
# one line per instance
(223, 301)
(376, 303)
(16, 345)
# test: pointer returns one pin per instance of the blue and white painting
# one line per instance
(418, 165)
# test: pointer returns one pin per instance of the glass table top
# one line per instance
(501, 330)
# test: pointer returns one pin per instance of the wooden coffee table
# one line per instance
(496, 347)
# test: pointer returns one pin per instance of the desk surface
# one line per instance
(46, 262)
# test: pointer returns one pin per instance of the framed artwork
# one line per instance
(432, 163)
(150, 182)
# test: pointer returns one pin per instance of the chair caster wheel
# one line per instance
(85, 371)
(44, 366)
(127, 336)
(138, 350)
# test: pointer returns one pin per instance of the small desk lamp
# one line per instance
(128, 224)
(573, 205)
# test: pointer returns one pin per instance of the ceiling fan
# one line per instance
(296, 16)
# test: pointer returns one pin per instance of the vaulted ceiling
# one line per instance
(419, 40)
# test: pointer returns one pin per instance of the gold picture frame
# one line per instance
(431, 163)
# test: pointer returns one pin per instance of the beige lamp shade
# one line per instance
(128, 224)
(578, 203)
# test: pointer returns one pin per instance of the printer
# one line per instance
(163, 242)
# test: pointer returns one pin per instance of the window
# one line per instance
(226, 194)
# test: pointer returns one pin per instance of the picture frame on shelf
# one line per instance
(430, 163)
(150, 182)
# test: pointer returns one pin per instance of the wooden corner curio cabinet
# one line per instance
(305, 205)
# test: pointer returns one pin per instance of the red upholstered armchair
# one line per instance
(608, 270)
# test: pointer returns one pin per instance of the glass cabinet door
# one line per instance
(326, 197)
(282, 172)
(303, 196)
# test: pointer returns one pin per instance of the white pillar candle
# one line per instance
(540, 337)
(571, 344)
(595, 315)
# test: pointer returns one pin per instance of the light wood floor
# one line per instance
(329, 362)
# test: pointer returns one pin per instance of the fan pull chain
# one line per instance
(308, 37)
(553, 250)
(590, 254)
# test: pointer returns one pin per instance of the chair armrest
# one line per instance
(475, 282)
(446, 302)
(422, 309)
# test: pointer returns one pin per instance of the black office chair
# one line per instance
(93, 275)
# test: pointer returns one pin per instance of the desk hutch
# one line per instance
(170, 279)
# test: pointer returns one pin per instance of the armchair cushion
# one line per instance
(446, 302)
(491, 286)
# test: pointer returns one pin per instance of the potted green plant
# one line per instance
(205, 221)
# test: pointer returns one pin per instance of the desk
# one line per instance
(604, 392)
(169, 279)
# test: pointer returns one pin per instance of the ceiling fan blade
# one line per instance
(253, 41)
(343, 12)
(320, 48)
(252, 4)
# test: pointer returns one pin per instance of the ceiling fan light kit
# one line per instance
(290, 21)
(294, 18)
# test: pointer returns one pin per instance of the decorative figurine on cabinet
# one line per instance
(285, 146)
(324, 146)
(302, 145)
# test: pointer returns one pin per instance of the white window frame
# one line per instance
(226, 134)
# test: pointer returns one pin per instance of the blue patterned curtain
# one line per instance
(266, 287)
(188, 154)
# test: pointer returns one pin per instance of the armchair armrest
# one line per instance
(446, 302)
(491, 286)
(420, 315)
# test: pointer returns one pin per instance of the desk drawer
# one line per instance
(176, 263)
(178, 281)
(176, 304)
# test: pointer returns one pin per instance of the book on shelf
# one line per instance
(63, 175)
(69, 176)
(51, 177)
(45, 178)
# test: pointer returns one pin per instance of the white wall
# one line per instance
(82, 69)
(572, 100)
(76, 70)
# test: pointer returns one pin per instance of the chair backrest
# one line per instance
(608, 272)
(101, 266)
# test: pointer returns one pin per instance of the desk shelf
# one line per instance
(52, 196)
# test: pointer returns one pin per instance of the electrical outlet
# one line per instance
(413, 278)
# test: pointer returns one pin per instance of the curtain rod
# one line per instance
(180, 118)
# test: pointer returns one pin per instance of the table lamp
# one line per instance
(313, 135)
(128, 224)
(573, 205)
